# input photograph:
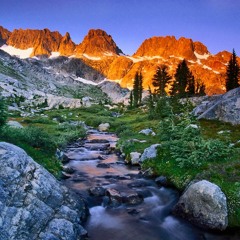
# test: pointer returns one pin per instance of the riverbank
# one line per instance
(123, 203)
(127, 124)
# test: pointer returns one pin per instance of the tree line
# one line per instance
(183, 84)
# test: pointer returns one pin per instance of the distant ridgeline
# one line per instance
(99, 51)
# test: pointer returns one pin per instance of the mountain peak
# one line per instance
(170, 46)
(97, 32)
(67, 46)
(97, 43)
(67, 36)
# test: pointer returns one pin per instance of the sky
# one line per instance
(215, 23)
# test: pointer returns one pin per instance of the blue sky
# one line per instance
(216, 23)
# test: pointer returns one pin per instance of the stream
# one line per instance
(123, 204)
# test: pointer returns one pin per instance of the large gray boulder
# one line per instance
(224, 107)
(150, 152)
(103, 127)
(204, 204)
(33, 204)
(135, 158)
(147, 131)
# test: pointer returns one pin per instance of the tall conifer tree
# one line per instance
(137, 89)
(184, 84)
(160, 79)
(3, 112)
(232, 73)
(140, 84)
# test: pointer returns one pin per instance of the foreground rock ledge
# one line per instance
(204, 204)
(33, 204)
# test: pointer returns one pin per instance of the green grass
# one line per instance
(40, 138)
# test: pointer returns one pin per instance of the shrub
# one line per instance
(95, 121)
(38, 138)
(34, 136)
(69, 133)
(183, 143)
(3, 112)
(42, 120)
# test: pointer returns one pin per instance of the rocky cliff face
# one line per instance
(33, 204)
(166, 47)
(99, 51)
(67, 46)
(97, 43)
(43, 42)
(4, 35)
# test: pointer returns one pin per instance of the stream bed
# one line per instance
(122, 203)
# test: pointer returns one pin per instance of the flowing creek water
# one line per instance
(122, 203)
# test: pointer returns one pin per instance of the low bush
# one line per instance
(42, 120)
(3, 112)
(181, 138)
(34, 136)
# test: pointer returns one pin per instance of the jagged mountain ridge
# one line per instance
(59, 81)
(99, 51)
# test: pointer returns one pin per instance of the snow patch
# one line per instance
(206, 67)
(16, 51)
(54, 54)
(199, 56)
(135, 59)
(199, 62)
(139, 59)
(91, 57)
(109, 54)
(85, 81)
(180, 58)
(191, 61)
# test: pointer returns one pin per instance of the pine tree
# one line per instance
(174, 88)
(200, 88)
(184, 84)
(140, 84)
(232, 73)
(131, 99)
(3, 112)
(191, 86)
(137, 89)
(160, 79)
(150, 104)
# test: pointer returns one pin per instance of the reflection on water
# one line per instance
(150, 220)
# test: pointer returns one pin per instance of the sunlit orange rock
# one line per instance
(200, 48)
(97, 43)
(166, 47)
(99, 51)
(4, 35)
(119, 68)
(43, 42)
(67, 46)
